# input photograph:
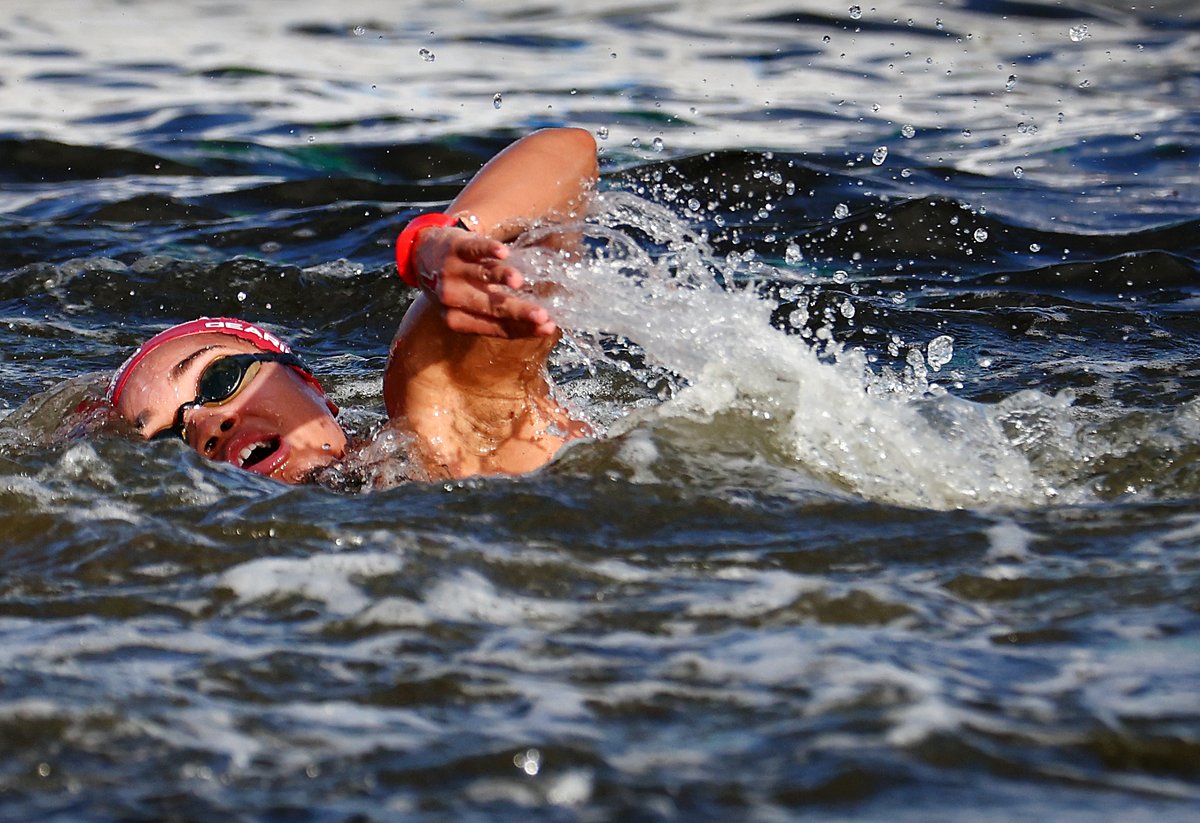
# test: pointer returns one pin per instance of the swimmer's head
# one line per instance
(234, 392)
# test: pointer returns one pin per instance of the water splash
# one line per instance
(820, 409)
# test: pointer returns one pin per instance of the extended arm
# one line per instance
(545, 176)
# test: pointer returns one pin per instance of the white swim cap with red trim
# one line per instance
(240, 329)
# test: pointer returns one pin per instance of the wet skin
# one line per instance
(278, 425)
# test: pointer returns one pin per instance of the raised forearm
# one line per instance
(543, 176)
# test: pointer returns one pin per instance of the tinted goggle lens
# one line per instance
(222, 377)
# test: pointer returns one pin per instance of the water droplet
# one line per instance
(43, 769)
(241, 297)
(528, 761)
(966, 132)
(1137, 137)
(980, 235)
(1035, 247)
(938, 24)
(855, 12)
(359, 31)
(939, 352)
(658, 144)
(1018, 171)
(906, 172)
(1012, 83)
(826, 39)
(842, 211)
(792, 255)
(840, 276)
(694, 204)
(1077, 33)
(1083, 84)
(847, 308)
(427, 55)
(602, 132)
(907, 131)
(497, 100)
(879, 156)
(636, 142)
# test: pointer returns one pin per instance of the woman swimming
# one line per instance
(466, 376)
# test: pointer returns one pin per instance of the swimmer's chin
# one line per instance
(308, 474)
(299, 469)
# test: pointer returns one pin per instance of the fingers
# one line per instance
(492, 273)
(493, 310)
(456, 254)
(477, 248)
(464, 323)
(477, 290)
(481, 258)
(491, 300)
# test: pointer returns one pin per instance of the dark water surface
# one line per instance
(890, 320)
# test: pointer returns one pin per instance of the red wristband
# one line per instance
(408, 239)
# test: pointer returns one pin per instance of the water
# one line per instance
(887, 315)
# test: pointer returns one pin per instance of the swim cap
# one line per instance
(240, 329)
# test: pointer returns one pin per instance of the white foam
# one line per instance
(325, 578)
(761, 592)
(1008, 541)
(471, 597)
(825, 411)
(394, 611)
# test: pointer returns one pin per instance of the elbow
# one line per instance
(583, 149)
(581, 140)
(577, 144)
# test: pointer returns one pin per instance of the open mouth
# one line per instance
(253, 454)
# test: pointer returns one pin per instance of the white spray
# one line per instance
(830, 415)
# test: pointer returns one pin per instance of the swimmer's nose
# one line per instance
(211, 426)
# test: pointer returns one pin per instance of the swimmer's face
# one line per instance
(276, 424)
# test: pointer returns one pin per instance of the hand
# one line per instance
(477, 290)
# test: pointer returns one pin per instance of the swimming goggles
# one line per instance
(222, 380)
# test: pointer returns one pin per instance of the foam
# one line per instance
(907, 442)
(325, 578)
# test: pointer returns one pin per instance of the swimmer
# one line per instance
(466, 375)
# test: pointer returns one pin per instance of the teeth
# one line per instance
(245, 453)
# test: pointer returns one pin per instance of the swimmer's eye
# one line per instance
(222, 380)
